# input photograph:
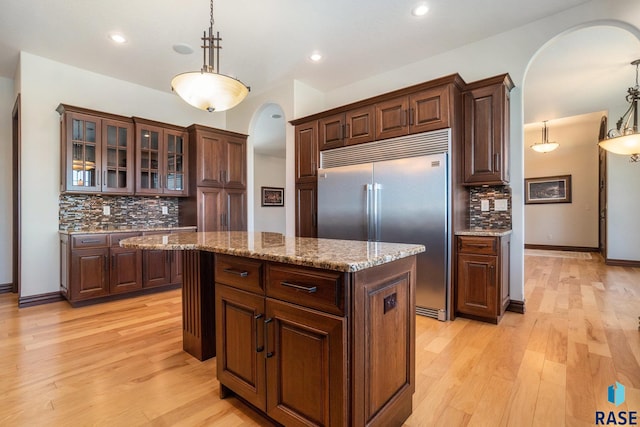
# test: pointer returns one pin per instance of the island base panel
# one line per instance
(198, 305)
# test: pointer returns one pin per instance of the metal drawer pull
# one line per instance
(90, 241)
(268, 353)
(259, 348)
(236, 272)
(308, 289)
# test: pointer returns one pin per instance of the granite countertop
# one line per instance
(123, 229)
(330, 254)
(497, 232)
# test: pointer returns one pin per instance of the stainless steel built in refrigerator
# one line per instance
(404, 201)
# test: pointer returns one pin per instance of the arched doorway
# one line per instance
(571, 82)
(268, 141)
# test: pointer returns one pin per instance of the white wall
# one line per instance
(7, 101)
(565, 224)
(269, 172)
(623, 195)
(45, 84)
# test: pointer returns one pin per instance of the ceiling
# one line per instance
(268, 42)
(264, 42)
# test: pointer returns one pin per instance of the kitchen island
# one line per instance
(308, 331)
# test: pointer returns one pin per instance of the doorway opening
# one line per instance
(16, 145)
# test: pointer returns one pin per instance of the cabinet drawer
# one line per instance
(242, 273)
(116, 237)
(478, 245)
(89, 241)
(322, 290)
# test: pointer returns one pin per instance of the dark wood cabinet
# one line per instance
(289, 342)
(97, 152)
(95, 267)
(306, 209)
(218, 196)
(307, 153)
(125, 273)
(89, 273)
(417, 112)
(482, 283)
(486, 132)
(352, 127)
(161, 159)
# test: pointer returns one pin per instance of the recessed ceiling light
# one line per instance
(315, 57)
(183, 48)
(117, 38)
(420, 10)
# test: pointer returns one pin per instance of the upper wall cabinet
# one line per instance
(352, 127)
(161, 159)
(307, 154)
(486, 131)
(422, 111)
(96, 152)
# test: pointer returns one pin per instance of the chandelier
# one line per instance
(625, 138)
(207, 89)
(545, 146)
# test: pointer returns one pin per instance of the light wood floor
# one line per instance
(121, 363)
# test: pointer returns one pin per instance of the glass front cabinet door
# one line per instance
(96, 152)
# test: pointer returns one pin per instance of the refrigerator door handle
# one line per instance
(367, 215)
(377, 188)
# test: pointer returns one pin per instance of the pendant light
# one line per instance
(625, 138)
(545, 146)
(207, 89)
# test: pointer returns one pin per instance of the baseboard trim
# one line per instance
(561, 248)
(40, 299)
(6, 288)
(516, 306)
(622, 262)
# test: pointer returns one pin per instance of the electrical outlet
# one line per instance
(500, 205)
(484, 205)
(106, 210)
(165, 210)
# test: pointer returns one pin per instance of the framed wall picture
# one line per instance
(547, 189)
(272, 196)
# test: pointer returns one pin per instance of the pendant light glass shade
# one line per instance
(207, 89)
(545, 146)
(625, 138)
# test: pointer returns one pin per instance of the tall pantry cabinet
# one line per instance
(218, 180)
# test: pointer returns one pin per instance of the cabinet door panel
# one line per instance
(148, 159)
(209, 158)
(156, 268)
(126, 270)
(331, 132)
(360, 125)
(306, 212)
(236, 159)
(429, 110)
(210, 207)
(477, 285)
(306, 373)
(174, 178)
(117, 157)
(391, 118)
(240, 343)
(235, 215)
(89, 272)
(84, 153)
(307, 152)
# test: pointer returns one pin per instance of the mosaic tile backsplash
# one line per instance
(490, 219)
(83, 212)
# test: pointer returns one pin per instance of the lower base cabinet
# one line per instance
(482, 285)
(94, 266)
(309, 346)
